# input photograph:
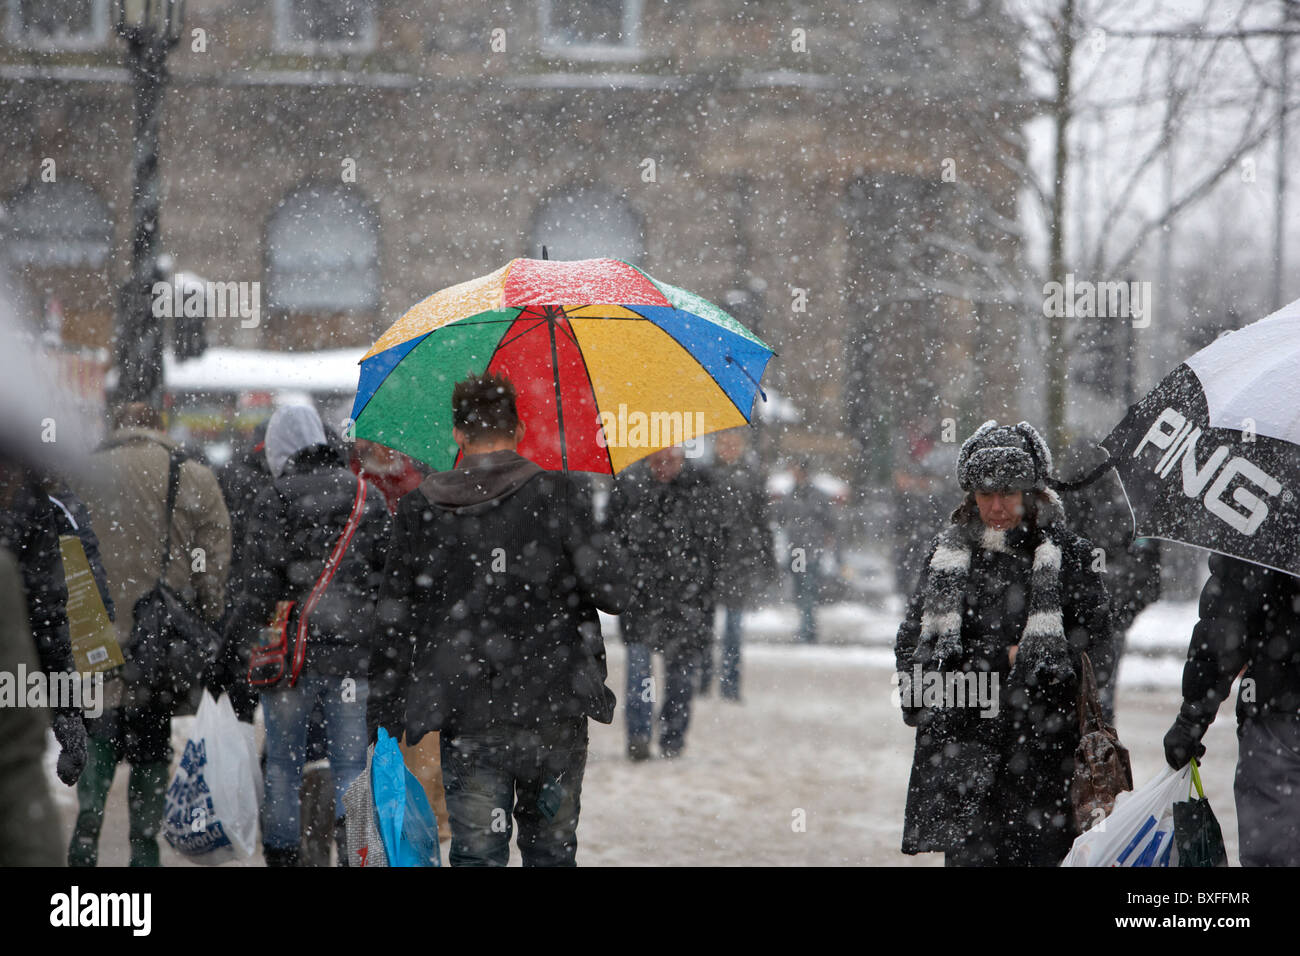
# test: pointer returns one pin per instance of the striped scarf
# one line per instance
(1043, 657)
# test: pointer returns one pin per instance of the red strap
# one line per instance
(327, 575)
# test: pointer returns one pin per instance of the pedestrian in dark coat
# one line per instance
(29, 527)
(663, 515)
(295, 524)
(746, 560)
(489, 633)
(805, 514)
(1007, 604)
(1249, 627)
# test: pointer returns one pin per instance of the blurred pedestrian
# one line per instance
(1249, 627)
(989, 663)
(662, 513)
(923, 492)
(805, 514)
(125, 489)
(746, 560)
(29, 528)
(488, 632)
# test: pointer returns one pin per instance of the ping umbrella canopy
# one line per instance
(1211, 457)
(609, 365)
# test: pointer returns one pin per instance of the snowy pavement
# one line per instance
(816, 739)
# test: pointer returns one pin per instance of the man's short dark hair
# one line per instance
(484, 405)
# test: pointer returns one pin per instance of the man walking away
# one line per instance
(747, 560)
(663, 515)
(487, 631)
(126, 492)
(1249, 626)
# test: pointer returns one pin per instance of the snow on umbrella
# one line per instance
(1211, 457)
(609, 364)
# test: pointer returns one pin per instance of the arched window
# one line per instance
(323, 252)
(63, 224)
(587, 223)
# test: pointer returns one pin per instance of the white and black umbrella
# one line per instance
(1211, 457)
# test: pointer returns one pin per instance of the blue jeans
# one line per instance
(729, 678)
(680, 662)
(286, 710)
(533, 775)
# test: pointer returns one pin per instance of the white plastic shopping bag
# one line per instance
(1140, 830)
(212, 803)
(364, 843)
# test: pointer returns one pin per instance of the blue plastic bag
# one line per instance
(405, 819)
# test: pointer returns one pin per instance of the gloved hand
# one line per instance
(1183, 742)
(71, 735)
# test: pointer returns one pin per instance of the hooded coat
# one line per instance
(991, 784)
(488, 613)
(294, 525)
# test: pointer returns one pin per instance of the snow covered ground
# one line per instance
(816, 739)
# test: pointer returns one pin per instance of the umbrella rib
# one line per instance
(501, 345)
(594, 397)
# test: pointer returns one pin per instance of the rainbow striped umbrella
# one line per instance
(609, 364)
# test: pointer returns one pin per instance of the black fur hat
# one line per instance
(1004, 458)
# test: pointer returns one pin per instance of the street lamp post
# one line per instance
(151, 28)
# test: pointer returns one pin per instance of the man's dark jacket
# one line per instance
(488, 613)
(1250, 617)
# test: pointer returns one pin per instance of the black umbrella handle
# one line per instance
(1057, 484)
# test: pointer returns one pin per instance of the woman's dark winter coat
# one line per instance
(488, 616)
(995, 790)
(291, 531)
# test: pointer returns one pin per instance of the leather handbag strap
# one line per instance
(1090, 718)
(327, 574)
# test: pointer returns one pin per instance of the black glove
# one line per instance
(71, 734)
(1183, 742)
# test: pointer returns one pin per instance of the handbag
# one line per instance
(1102, 770)
(171, 642)
(285, 647)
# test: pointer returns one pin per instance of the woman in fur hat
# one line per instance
(988, 662)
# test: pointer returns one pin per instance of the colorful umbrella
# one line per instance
(1211, 457)
(608, 363)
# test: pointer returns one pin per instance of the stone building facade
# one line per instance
(833, 172)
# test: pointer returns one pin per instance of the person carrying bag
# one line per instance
(316, 540)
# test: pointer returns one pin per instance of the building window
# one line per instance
(325, 26)
(58, 24)
(323, 252)
(62, 225)
(587, 224)
(591, 28)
